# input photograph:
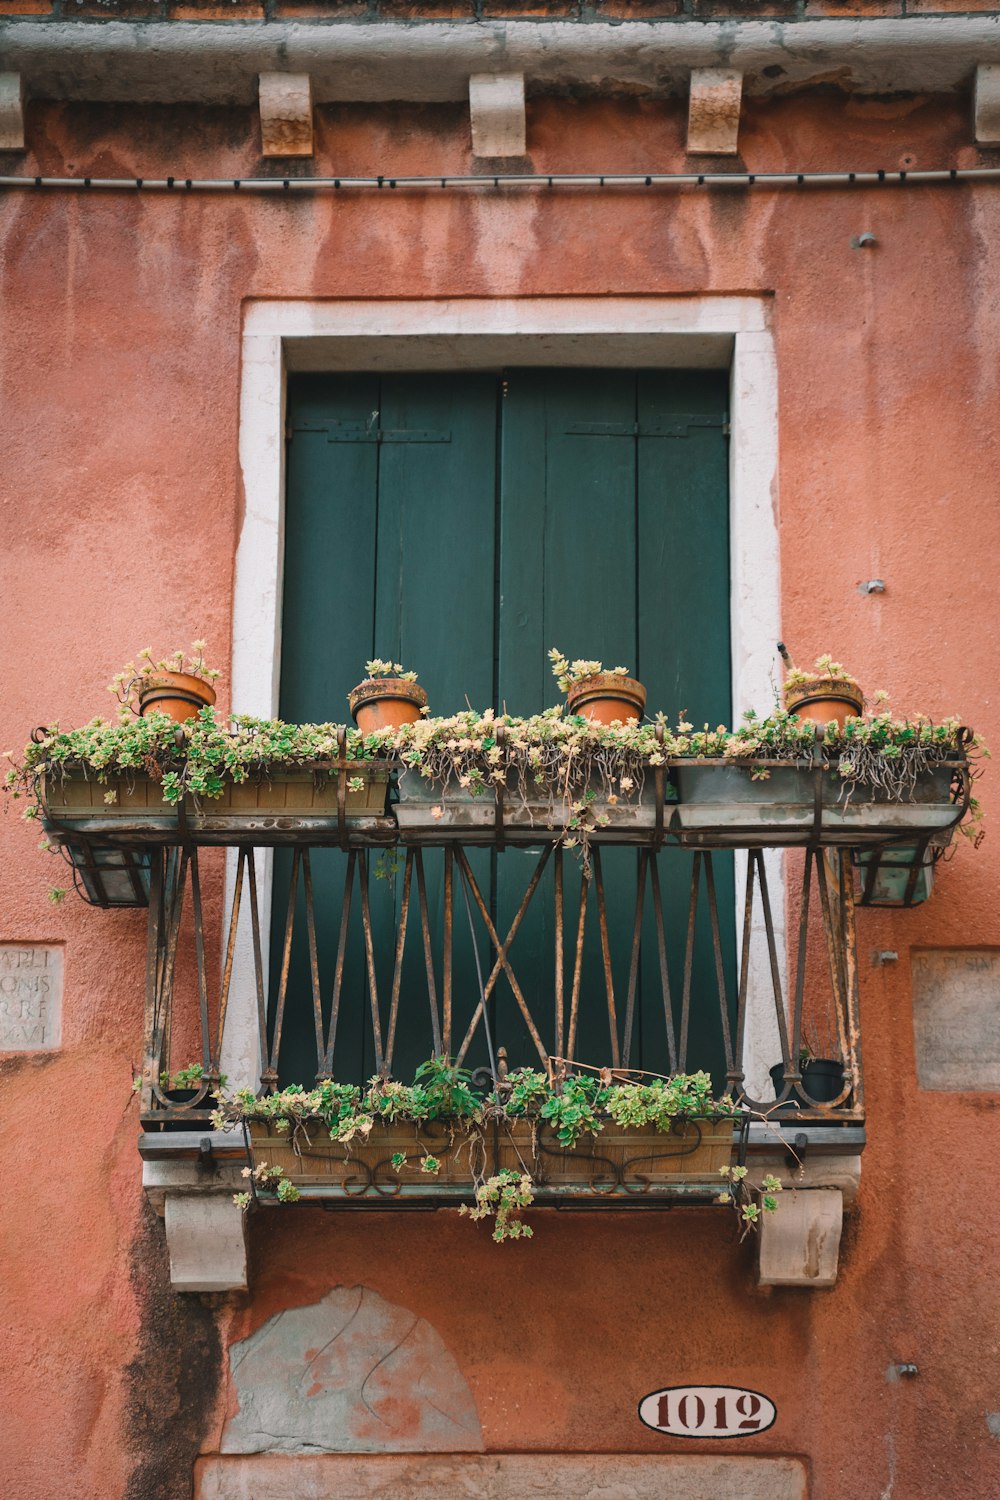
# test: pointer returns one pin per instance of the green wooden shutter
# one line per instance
(429, 523)
(389, 551)
(614, 545)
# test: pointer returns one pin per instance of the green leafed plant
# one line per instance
(568, 673)
(574, 1105)
(136, 677)
(749, 1199)
(269, 1181)
(378, 668)
(502, 1198)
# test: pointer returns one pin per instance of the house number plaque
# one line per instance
(707, 1411)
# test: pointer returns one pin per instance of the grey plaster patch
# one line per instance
(993, 1423)
(350, 1374)
(956, 1017)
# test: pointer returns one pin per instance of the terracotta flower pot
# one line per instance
(825, 698)
(607, 697)
(385, 703)
(176, 694)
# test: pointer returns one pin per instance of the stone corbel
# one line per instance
(286, 126)
(987, 104)
(11, 112)
(799, 1244)
(714, 111)
(496, 111)
(205, 1229)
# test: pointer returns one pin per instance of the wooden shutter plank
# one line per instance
(434, 611)
(327, 635)
(684, 660)
(436, 522)
(567, 575)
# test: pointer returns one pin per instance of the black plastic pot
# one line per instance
(177, 1097)
(822, 1079)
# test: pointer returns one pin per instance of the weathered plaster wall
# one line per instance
(119, 354)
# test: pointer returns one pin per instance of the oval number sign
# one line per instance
(707, 1411)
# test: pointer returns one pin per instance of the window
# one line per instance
(463, 524)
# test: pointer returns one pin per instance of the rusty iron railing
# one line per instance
(495, 937)
(821, 995)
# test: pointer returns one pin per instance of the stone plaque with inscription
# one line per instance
(956, 1017)
(31, 985)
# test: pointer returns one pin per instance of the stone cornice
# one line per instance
(192, 62)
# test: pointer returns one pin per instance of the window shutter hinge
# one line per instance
(726, 427)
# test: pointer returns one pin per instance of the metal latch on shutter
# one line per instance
(679, 427)
(362, 432)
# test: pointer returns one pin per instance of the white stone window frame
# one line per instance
(681, 332)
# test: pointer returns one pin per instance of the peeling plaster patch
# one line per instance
(993, 1423)
(350, 1374)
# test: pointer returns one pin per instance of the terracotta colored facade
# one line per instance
(122, 493)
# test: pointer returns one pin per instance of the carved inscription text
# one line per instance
(31, 983)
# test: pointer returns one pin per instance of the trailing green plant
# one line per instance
(749, 1199)
(266, 1179)
(878, 753)
(440, 1091)
(564, 770)
(579, 1103)
(200, 757)
(573, 1104)
(137, 677)
(567, 772)
(502, 1198)
(568, 673)
(189, 1077)
(184, 1078)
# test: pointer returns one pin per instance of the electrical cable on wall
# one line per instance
(291, 185)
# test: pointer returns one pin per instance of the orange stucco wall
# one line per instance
(121, 494)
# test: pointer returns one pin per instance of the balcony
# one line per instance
(707, 922)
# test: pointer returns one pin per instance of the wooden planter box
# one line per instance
(616, 1164)
(429, 814)
(274, 809)
(719, 804)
